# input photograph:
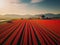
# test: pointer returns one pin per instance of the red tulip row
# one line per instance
(30, 32)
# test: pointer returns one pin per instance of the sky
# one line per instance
(23, 7)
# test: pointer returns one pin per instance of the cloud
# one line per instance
(36, 1)
(12, 1)
(24, 1)
(13, 6)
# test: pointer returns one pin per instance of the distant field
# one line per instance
(30, 32)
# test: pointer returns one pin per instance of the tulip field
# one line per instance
(30, 32)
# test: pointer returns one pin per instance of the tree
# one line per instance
(43, 16)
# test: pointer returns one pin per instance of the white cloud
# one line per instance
(15, 7)
(19, 1)
(36, 1)
(12, 6)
